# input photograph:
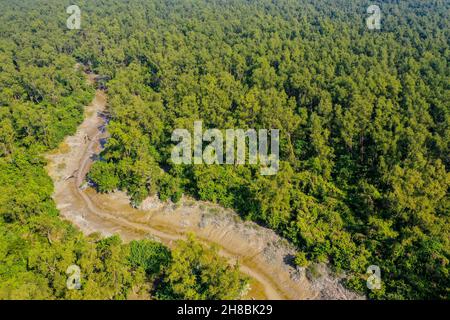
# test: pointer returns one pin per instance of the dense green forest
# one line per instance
(42, 95)
(363, 116)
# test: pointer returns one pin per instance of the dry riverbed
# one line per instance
(261, 253)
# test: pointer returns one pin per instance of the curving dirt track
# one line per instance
(261, 254)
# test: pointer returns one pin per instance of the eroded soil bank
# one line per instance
(262, 254)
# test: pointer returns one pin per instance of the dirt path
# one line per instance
(262, 255)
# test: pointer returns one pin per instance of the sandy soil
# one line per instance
(261, 254)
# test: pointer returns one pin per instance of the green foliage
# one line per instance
(169, 188)
(150, 255)
(37, 247)
(364, 118)
(198, 273)
(301, 260)
(42, 96)
(103, 175)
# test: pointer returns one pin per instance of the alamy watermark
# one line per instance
(74, 20)
(73, 281)
(374, 280)
(373, 22)
(235, 147)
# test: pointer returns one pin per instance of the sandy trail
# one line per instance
(261, 254)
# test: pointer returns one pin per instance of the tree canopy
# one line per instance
(363, 116)
(42, 95)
